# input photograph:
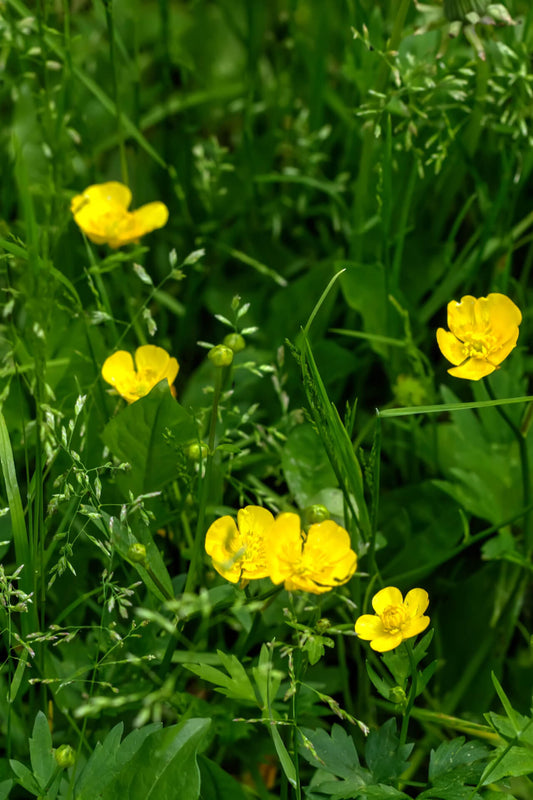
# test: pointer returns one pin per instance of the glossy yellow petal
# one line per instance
(473, 369)
(382, 644)
(390, 596)
(369, 626)
(501, 353)
(150, 217)
(303, 583)
(504, 316)
(450, 346)
(416, 601)
(222, 538)
(254, 520)
(118, 368)
(462, 314)
(328, 539)
(151, 358)
(414, 627)
(110, 193)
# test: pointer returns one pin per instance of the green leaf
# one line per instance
(41, 756)
(146, 434)
(235, 685)
(384, 687)
(335, 753)
(454, 756)
(306, 466)
(364, 287)
(216, 784)
(5, 788)
(385, 756)
(108, 758)
(267, 678)
(164, 767)
(25, 777)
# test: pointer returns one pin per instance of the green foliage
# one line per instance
(336, 174)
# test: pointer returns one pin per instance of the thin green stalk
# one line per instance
(205, 483)
(526, 472)
(412, 692)
(108, 5)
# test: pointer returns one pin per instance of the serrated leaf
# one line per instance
(335, 753)
(385, 756)
(146, 435)
(449, 756)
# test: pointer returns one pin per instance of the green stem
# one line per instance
(108, 5)
(526, 473)
(197, 552)
(412, 692)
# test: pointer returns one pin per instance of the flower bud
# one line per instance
(235, 342)
(323, 625)
(197, 451)
(137, 553)
(397, 695)
(65, 756)
(315, 513)
(220, 356)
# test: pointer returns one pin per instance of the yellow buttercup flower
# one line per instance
(132, 381)
(102, 214)
(314, 562)
(239, 549)
(483, 331)
(396, 619)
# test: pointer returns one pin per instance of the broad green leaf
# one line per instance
(5, 788)
(267, 678)
(385, 756)
(109, 758)
(283, 755)
(216, 784)
(306, 466)
(41, 757)
(164, 767)
(364, 287)
(25, 777)
(147, 435)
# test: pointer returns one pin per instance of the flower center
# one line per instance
(394, 618)
(478, 344)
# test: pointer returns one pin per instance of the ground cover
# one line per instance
(265, 405)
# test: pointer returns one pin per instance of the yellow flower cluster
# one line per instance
(259, 546)
(153, 364)
(483, 331)
(395, 619)
(101, 212)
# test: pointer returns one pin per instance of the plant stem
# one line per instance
(526, 473)
(412, 692)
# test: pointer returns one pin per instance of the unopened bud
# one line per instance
(197, 452)
(235, 342)
(397, 695)
(137, 553)
(220, 356)
(461, 9)
(65, 756)
(323, 624)
(315, 513)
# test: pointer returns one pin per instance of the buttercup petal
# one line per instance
(303, 583)
(222, 538)
(462, 314)
(473, 369)
(118, 368)
(498, 355)
(254, 520)
(284, 546)
(110, 193)
(369, 626)
(328, 538)
(390, 596)
(414, 627)
(150, 217)
(152, 358)
(450, 346)
(504, 315)
(387, 642)
(416, 601)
